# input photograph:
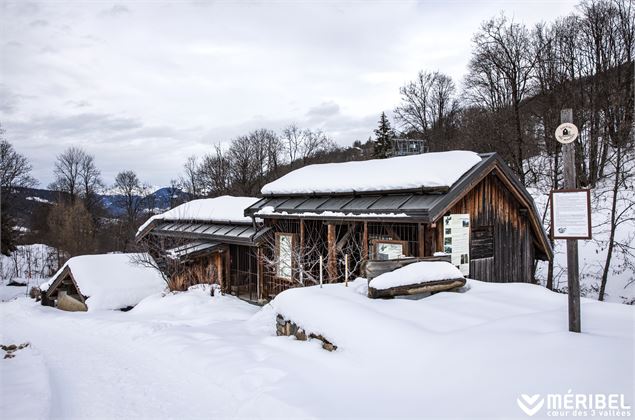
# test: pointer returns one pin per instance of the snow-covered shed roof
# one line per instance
(109, 281)
(227, 208)
(428, 170)
(220, 219)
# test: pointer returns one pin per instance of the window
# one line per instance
(284, 251)
(390, 250)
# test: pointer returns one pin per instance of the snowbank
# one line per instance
(25, 385)
(416, 273)
(406, 172)
(227, 209)
(112, 281)
(450, 355)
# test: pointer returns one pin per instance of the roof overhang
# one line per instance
(225, 233)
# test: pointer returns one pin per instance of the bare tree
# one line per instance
(214, 173)
(500, 70)
(67, 172)
(190, 180)
(132, 195)
(77, 175)
(301, 146)
(15, 171)
(427, 104)
(177, 270)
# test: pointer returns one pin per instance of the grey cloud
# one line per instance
(325, 109)
(85, 124)
(8, 100)
(114, 11)
(39, 23)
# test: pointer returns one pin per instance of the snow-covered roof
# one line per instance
(111, 281)
(428, 170)
(220, 209)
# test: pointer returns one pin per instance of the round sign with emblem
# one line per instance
(566, 133)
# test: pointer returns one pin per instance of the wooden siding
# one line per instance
(492, 206)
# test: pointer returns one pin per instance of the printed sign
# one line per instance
(571, 214)
(456, 240)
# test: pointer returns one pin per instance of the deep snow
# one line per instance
(190, 355)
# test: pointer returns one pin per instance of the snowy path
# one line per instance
(109, 366)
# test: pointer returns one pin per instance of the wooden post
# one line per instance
(573, 276)
(421, 239)
(331, 262)
(259, 275)
(219, 270)
(346, 270)
(365, 242)
(321, 270)
(228, 279)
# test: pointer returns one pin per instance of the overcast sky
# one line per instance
(143, 85)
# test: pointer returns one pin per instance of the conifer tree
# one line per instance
(384, 136)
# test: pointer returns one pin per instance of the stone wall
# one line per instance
(290, 328)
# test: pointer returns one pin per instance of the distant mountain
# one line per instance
(28, 200)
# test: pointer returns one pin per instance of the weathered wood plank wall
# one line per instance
(493, 208)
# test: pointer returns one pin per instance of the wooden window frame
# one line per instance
(277, 254)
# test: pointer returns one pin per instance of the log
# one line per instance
(374, 268)
(414, 289)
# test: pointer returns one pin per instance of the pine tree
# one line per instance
(384, 136)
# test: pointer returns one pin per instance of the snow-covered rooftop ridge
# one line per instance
(428, 170)
(226, 208)
(112, 281)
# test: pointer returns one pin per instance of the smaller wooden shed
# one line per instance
(105, 281)
(211, 236)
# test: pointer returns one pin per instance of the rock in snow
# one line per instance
(416, 273)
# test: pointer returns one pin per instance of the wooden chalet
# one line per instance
(485, 220)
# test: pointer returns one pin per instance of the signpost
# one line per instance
(568, 210)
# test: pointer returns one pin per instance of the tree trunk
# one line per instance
(609, 252)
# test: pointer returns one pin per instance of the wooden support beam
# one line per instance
(431, 239)
(331, 261)
(218, 261)
(261, 275)
(227, 263)
(301, 235)
(421, 240)
(365, 242)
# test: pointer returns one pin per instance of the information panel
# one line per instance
(456, 240)
(571, 214)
